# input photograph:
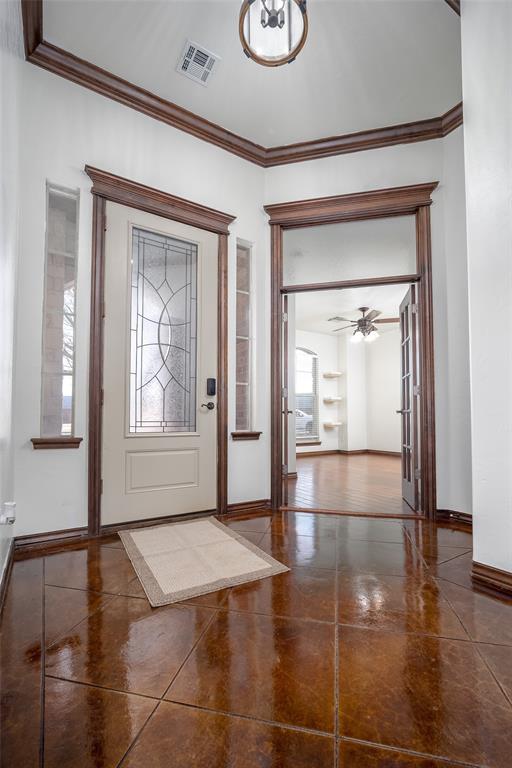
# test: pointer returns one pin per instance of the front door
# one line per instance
(409, 397)
(160, 348)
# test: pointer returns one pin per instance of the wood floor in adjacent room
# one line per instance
(373, 651)
(363, 483)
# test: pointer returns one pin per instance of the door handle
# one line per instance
(209, 405)
(286, 412)
(403, 410)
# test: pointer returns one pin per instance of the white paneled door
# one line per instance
(160, 350)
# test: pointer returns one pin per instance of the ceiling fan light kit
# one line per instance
(364, 328)
(273, 32)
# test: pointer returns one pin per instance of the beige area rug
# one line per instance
(181, 560)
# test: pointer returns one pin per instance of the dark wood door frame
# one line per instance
(107, 187)
(398, 201)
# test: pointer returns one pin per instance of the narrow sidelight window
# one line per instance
(59, 308)
(243, 340)
(306, 395)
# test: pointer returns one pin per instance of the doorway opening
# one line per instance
(352, 422)
(358, 241)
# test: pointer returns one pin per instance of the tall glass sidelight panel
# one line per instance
(163, 334)
(243, 340)
(58, 353)
(351, 250)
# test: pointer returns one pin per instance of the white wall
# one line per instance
(369, 386)
(65, 127)
(10, 59)
(356, 400)
(383, 424)
(487, 84)
(438, 160)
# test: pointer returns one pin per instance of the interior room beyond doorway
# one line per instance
(346, 390)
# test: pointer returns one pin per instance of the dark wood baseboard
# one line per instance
(374, 452)
(6, 576)
(316, 453)
(349, 513)
(50, 542)
(451, 516)
(341, 452)
(492, 579)
(248, 506)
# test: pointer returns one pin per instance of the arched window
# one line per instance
(306, 395)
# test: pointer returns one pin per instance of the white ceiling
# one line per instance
(313, 310)
(366, 63)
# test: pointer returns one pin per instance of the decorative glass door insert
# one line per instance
(163, 334)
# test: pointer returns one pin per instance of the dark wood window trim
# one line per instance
(308, 442)
(46, 443)
(249, 435)
(71, 67)
(107, 187)
(398, 201)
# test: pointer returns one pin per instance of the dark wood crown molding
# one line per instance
(95, 78)
(83, 72)
(454, 5)
(376, 138)
(360, 205)
(126, 192)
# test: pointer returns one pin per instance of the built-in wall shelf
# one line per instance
(332, 374)
(330, 400)
(332, 424)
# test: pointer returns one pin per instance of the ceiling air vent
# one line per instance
(197, 63)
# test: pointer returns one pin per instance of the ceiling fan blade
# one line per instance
(344, 327)
(340, 319)
(388, 320)
(373, 314)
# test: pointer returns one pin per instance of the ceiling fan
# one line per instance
(364, 327)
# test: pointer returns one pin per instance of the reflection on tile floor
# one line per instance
(374, 650)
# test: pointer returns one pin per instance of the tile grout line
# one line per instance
(455, 557)
(76, 624)
(103, 687)
(490, 670)
(251, 718)
(336, 655)
(405, 751)
(43, 665)
(476, 645)
(189, 654)
(146, 722)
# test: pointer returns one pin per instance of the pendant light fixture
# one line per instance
(273, 32)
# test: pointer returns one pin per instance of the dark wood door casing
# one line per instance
(412, 200)
(108, 187)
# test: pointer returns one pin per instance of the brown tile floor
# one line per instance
(374, 650)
